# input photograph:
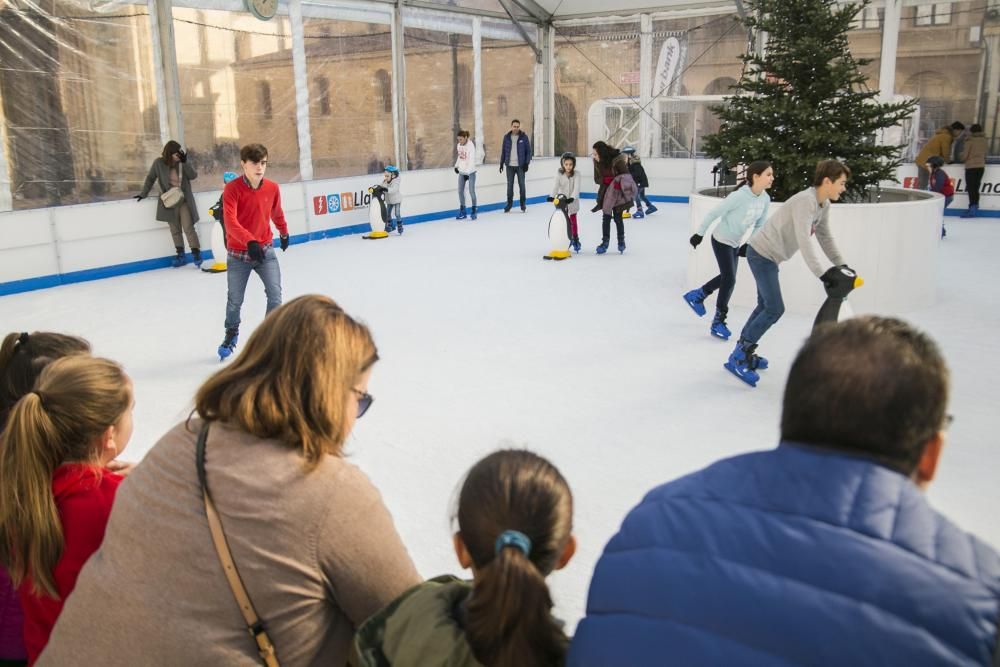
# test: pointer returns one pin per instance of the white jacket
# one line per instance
(466, 162)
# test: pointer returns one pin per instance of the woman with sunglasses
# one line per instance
(314, 547)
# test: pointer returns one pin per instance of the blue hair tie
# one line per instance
(513, 538)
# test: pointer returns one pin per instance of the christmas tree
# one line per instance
(805, 99)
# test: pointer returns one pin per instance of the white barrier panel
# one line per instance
(892, 246)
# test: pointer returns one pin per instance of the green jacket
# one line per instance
(418, 629)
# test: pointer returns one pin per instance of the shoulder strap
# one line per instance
(255, 626)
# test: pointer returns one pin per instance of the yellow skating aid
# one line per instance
(376, 235)
(558, 254)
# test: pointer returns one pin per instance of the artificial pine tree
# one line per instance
(805, 100)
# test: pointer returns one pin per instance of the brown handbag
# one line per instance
(265, 647)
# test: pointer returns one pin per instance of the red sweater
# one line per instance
(248, 213)
(84, 495)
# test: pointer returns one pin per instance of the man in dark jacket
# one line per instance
(824, 551)
(515, 154)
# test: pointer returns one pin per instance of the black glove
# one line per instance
(501, 168)
(550, 199)
(839, 280)
(184, 156)
(140, 197)
(255, 252)
(526, 169)
(456, 170)
(742, 252)
(695, 240)
(284, 242)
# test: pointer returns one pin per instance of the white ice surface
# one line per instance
(595, 362)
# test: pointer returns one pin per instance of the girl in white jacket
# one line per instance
(465, 167)
(567, 184)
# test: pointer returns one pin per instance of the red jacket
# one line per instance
(84, 495)
(247, 213)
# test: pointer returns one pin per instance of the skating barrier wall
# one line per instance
(47, 247)
(893, 247)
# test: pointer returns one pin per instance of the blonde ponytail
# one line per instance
(75, 400)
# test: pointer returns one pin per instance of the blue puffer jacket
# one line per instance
(795, 556)
(523, 149)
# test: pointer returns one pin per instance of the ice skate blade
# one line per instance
(719, 335)
(749, 379)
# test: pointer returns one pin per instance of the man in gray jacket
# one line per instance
(782, 236)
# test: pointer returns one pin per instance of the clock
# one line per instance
(262, 9)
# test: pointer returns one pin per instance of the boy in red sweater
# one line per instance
(249, 205)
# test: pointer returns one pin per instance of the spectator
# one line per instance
(515, 154)
(515, 521)
(171, 170)
(974, 157)
(56, 489)
(313, 543)
(940, 145)
(22, 358)
(823, 551)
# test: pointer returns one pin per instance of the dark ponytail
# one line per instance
(509, 614)
(755, 168)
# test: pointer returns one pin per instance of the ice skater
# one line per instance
(249, 205)
(567, 184)
(393, 199)
(744, 209)
(465, 167)
(641, 181)
(618, 198)
(787, 232)
(940, 182)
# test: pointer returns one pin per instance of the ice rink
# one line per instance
(595, 362)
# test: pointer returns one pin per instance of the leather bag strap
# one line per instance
(265, 648)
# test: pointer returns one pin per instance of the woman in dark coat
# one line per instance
(166, 172)
(604, 157)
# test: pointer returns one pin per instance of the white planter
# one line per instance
(893, 245)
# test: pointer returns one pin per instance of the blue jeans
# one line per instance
(728, 259)
(237, 274)
(770, 307)
(461, 189)
(393, 211)
(641, 197)
(511, 172)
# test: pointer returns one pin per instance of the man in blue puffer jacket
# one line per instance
(823, 551)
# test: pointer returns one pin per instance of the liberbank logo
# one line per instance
(343, 201)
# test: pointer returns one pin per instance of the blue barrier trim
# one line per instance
(56, 279)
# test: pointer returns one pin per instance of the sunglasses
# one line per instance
(365, 401)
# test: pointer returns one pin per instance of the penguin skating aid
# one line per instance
(560, 229)
(378, 213)
(219, 251)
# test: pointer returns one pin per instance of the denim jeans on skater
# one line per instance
(511, 172)
(770, 306)
(237, 274)
(641, 197)
(728, 259)
(462, 178)
(393, 210)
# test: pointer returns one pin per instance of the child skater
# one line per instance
(618, 198)
(744, 209)
(940, 182)
(393, 199)
(642, 182)
(465, 167)
(568, 184)
(515, 521)
(56, 489)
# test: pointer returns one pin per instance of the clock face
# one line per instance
(263, 9)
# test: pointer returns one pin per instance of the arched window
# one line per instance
(264, 99)
(383, 90)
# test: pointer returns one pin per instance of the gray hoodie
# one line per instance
(788, 231)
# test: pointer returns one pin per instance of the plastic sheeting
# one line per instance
(78, 102)
(508, 92)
